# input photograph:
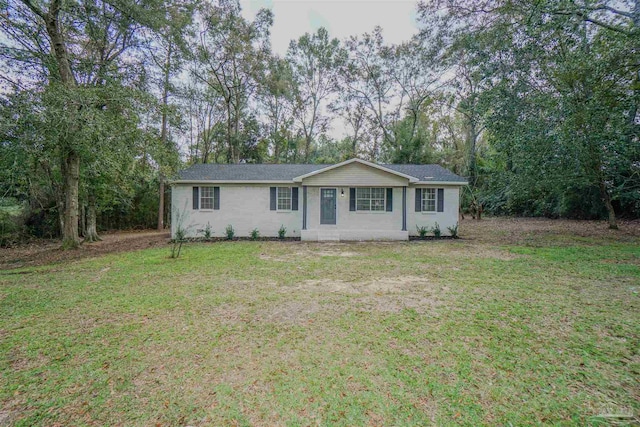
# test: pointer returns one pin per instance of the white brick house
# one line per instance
(353, 200)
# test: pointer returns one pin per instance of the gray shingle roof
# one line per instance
(287, 172)
(427, 172)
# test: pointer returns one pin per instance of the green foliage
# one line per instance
(453, 231)
(436, 230)
(229, 232)
(207, 231)
(180, 232)
(255, 234)
(554, 90)
(422, 231)
(11, 221)
(282, 232)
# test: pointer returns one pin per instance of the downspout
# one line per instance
(304, 207)
(404, 208)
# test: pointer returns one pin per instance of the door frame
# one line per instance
(335, 204)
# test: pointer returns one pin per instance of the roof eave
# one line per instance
(460, 183)
(228, 181)
(411, 179)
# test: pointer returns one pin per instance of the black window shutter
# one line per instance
(389, 199)
(216, 198)
(294, 198)
(273, 198)
(352, 199)
(196, 198)
(440, 199)
(418, 199)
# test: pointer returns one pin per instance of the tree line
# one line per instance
(103, 101)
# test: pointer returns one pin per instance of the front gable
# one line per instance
(355, 173)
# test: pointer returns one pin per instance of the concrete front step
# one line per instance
(333, 235)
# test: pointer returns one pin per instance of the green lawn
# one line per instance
(468, 332)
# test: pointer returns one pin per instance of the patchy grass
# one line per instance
(503, 328)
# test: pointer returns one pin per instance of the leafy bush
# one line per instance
(230, 232)
(255, 234)
(180, 235)
(179, 238)
(12, 215)
(454, 231)
(207, 232)
(282, 232)
(436, 230)
(422, 231)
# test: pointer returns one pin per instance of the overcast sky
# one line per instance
(293, 18)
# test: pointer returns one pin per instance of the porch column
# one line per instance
(304, 207)
(404, 208)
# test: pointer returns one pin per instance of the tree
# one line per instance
(560, 103)
(74, 48)
(230, 58)
(168, 53)
(276, 96)
(315, 60)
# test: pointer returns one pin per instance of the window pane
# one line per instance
(362, 204)
(363, 193)
(206, 197)
(284, 198)
(377, 193)
(429, 199)
(370, 199)
(377, 205)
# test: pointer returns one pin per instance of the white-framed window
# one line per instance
(370, 199)
(284, 198)
(428, 200)
(206, 197)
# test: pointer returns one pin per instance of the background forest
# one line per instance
(102, 102)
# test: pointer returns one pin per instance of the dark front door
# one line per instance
(327, 206)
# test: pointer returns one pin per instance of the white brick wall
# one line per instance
(445, 219)
(245, 207)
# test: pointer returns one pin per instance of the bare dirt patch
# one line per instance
(313, 250)
(529, 230)
(385, 294)
(49, 251)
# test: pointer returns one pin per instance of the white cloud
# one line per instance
(293, 18)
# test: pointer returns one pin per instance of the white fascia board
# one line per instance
(227, 181)
(441, 183)
(347, 162)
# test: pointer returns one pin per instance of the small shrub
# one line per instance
(179, 238)
(207, 232)
(255, 234)
(422, 231)
(282, 232)
(436, 230)
(230, 232)
(454, 231)
(180, 235)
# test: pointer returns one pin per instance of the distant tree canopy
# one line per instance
(535, 102)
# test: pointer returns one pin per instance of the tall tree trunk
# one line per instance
(606, 198)
(472, 141)
(161, 204)
(307, 147)
(276, 150)
(92, 232)
(83, 221)
(70, 237)
(230, 154)
(71, 158)
(163, 132)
